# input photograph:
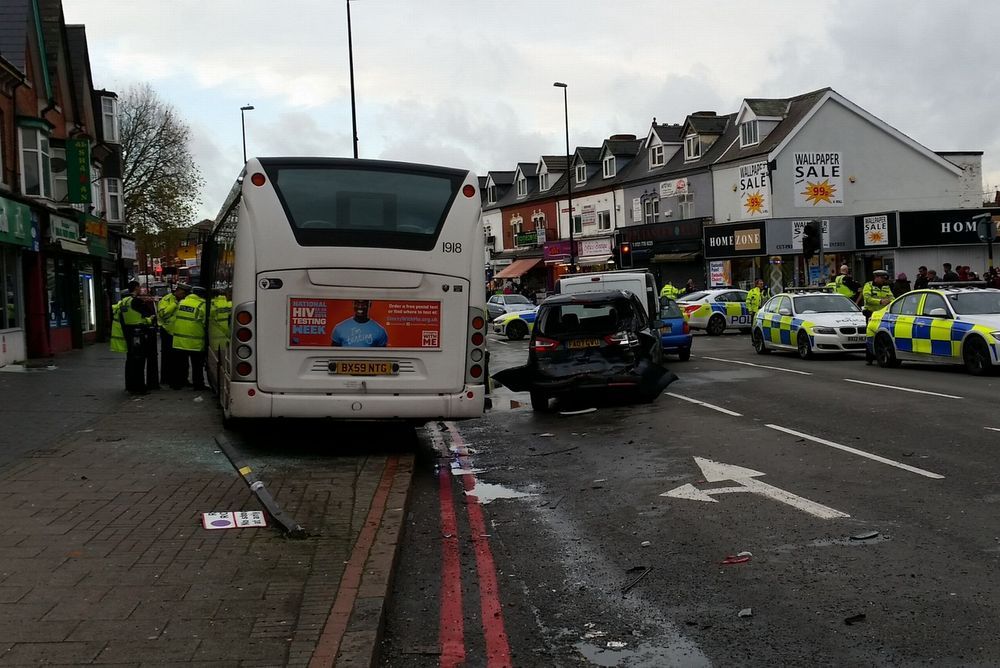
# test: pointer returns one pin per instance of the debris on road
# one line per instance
(854, 619)
(554, 452)
(645, 543)
(545, 435)
(741, 558)
(579, 412)
(746, 612)
(617, 644)
(198, 400)
(645, 571)
(867, 535)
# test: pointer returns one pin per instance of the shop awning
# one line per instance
(519, 268)
(675, 257)
(591, 260)
(74, 246)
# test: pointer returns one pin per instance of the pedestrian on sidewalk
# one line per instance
(166, 310)
(190, 322)
(901, 286)
(921, 280)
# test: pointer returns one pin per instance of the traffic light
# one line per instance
(812, 239)
(624, 255)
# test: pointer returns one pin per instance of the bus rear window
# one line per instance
(348, 205)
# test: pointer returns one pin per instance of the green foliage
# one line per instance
(160, 180)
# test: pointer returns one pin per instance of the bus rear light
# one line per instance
(251, 392)
(244, 352)
(244, 334)
(476, 371)
(469, 190)
(478, 323)
(477, 339)
(477, 355)
(258, 179)
(244, 317)
(244, 368)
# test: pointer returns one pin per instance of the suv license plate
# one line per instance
(583, 343)
(855, 339)
(365, 368)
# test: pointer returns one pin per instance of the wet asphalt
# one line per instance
(869, 516)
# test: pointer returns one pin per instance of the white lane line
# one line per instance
(760, 366)
(702, 403)
(855, 451)
(495, 340)
(902, 389)
(991, 428)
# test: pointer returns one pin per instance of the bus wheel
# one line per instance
(716, 325)
(516, 330)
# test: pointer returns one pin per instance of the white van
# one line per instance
(640, 283)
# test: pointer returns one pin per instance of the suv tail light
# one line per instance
(243, 351)
(621, 339)
(542, 344)
(475, 358)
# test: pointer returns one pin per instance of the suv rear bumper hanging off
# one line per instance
(465, 404)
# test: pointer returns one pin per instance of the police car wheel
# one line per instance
(885, 355)
(976, 356)
(757, 338)
(802, 344)
(716, 325)
(516, 330)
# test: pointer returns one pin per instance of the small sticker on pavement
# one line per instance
(230, 520)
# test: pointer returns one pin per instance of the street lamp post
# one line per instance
(350, 58)
(569, 180)
(243, 124)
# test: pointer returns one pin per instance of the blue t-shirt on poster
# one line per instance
(353, 334)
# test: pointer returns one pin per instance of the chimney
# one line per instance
(704, 113)
(621, 138)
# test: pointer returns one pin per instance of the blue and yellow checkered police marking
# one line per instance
(781, 329)
(924, 335)
(736, 313)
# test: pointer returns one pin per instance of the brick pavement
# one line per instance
(103, 559)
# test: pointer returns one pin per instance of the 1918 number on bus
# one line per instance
(451, 247)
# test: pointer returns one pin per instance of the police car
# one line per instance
(515, 326)
(948, 323)
(809, 321)
(716, 311)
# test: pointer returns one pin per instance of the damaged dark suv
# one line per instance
(589, 341)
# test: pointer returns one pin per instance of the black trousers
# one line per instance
(141, 374)
(167, 363)
(196, 360)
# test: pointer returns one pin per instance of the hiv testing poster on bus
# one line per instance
(363, 323)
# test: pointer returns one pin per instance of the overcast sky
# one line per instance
(468, 83)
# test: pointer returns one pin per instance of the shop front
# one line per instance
(672, 251)
(931, 238)
(592, 254)
(736, 254)
(15, 239)
(784, 249)
(70, 286)
(524, 274)
(876, 238)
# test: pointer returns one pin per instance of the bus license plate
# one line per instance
(855, 339)
(365, 368)
(583, 343)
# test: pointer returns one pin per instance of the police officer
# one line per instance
(845, 284)
(218, 319)
(166, 309)
(755, 297)
(189, 339)
(876, 292)
(668, 290)
(131, 330)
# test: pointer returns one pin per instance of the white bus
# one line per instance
(356, 290)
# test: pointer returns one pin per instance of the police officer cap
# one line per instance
(184, 286)
(880, 272)
(198, 290)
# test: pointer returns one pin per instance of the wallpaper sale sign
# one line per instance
(363, 323)
(755, 190)
(819, 180)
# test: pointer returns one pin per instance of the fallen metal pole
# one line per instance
(292, 528)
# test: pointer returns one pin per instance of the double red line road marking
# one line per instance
(452, 619)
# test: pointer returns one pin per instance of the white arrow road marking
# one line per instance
(855, 451)
(902, 389)
(717, 471)
(759, 366)
(702, 403)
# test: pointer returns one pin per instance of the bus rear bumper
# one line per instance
(468, 403)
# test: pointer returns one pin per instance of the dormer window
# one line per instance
(543, 181)
(749, 134)
(491, 194)
(522, 186)
(609, 166)
(656, 156)
(581, 173)
(692, 147)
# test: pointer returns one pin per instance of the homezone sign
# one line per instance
(940, 228)
(734, 240)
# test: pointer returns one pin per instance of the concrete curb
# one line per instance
(353, 631)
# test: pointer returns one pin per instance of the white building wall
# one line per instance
(610, 201)
(973, 190)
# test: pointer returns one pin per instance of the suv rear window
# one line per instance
(336, 203)
(600, 318)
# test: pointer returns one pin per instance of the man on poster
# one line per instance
(360, 331)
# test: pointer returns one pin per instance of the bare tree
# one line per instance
(160, 180)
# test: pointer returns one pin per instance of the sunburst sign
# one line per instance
(875, 238)
(754, 203)
(819, 192)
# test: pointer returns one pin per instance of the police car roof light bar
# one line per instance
(809, 288)
(956, 284)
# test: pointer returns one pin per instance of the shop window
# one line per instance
(604, 220)
(36, 176)
(55, 281)
(10, 289)
(88, 303)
